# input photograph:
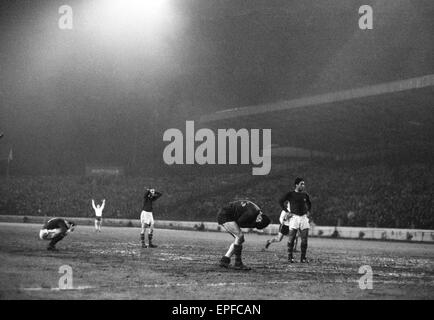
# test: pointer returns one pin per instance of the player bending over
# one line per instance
(284, 219)
(147, 218)
(98, 214)
(55, 230)
(236, 215)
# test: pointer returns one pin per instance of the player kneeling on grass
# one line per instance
(240, 214)
(147, 218)
(55, 230)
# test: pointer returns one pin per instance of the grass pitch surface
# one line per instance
(112, 265)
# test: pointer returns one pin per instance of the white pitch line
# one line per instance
(224, 284)
(58, 289)
(218, 284)
(165, 285)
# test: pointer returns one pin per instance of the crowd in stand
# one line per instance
(346, 195)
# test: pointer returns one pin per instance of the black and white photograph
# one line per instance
(217, 154)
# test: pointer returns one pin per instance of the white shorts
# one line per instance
(299, 222)
(48, 234)
(146, 218)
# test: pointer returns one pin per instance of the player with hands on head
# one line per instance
(147, 217)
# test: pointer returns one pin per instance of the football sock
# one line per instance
(150, 236)
(303, 245)
(225, 261)
(237, 251)
(230, 251)
(290, 246)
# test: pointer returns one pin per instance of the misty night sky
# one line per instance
(102, 94)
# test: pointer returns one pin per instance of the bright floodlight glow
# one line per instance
(126, 19)
(134, 34)
(134, 14)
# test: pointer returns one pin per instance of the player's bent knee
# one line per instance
(239, 239)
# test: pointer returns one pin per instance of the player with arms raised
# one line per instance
(98, 214)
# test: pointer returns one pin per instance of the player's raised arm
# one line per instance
(156, 195)
(103, 204)
(147, 193)
(93, 204)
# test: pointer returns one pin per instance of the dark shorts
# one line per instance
(225, 215)
(283, 229)
(98, 218)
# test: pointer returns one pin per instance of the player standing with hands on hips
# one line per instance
(98, 214)
(300, 205)
(147, 218)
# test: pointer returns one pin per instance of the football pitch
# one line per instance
(112, 265)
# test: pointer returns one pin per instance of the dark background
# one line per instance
(94, 95)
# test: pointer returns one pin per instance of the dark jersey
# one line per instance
(56, 223)
(299, 202)
(243, 212)
(149, 198)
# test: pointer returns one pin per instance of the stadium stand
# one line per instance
(343, 194)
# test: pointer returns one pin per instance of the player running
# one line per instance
(283, 228)
(300, 205)
(236, 215)
(284, 219)
(98, 214)
(147, 218)
(55, 230)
